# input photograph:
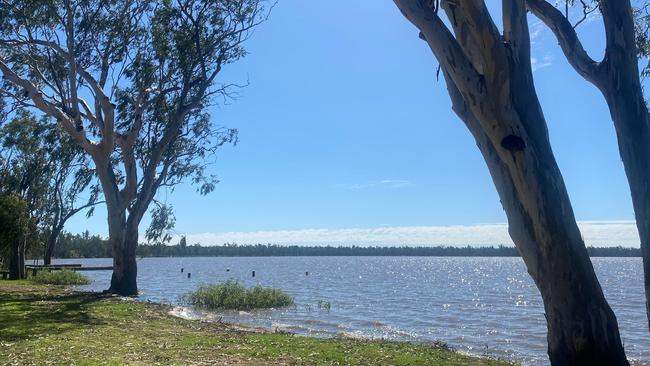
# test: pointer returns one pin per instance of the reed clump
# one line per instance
(231, 295)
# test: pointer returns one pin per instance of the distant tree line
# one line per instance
(93, 246)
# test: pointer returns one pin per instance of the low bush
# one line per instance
(232, 295)
(64, 278)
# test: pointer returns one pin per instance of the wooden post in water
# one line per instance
(182, 269)
(253, 273)
(189, 275)
(307, 273)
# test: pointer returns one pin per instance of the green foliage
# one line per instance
(84, 328)
(13, 221)
(162, 223)
(82, 246)
(62, 278)
(232, 295)
(43, 166)
(131, 83)
(26, 170)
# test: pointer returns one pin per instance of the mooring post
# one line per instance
(189, 275)
(227, 269)
(307, 273)
(253, 273)
(182, 269)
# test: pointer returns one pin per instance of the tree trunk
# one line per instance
(619, 82)
(490, 81)
(21, 258)
(582, 328)
(51, 245)
(123, 238)
(632, 124)
(617, 77)
(17, 260)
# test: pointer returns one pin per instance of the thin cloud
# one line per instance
(537, 64)
(385, 183)
(598, 233)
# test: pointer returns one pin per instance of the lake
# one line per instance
(478, 305)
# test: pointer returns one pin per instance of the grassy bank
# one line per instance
(45, 324)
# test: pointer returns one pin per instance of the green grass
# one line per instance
(232, 295)
(52, 325)
(63, 278)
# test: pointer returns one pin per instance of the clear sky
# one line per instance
(346, 135)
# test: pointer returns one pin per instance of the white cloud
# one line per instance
(536, 63)
(385, 183)
(536, 29)
(594, 232)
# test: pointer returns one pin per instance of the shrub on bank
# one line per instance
(64, 278)
(232, 295)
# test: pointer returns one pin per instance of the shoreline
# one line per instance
(44, 324)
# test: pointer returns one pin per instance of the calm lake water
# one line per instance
(479, 305)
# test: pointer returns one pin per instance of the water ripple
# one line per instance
(478, 305)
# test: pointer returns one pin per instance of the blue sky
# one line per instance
(344, 126)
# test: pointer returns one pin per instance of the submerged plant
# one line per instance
(232, 295)
(326, 305)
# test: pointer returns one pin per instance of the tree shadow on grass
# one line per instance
(32, 315)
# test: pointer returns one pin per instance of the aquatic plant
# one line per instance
(326, 305)
(63, 278)
(232, 295)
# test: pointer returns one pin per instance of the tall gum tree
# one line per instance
(489, 79)
(129, 81)
(40, 163)
(617, 77)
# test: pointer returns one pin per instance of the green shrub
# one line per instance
(65, 277)
(232, 295)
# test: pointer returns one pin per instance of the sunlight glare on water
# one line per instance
(480, 305)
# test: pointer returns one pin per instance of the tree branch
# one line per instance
(568, 39)
(515, 30)
(443, 44)
(47, 108)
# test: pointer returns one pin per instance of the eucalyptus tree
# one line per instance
(72, 187)
(489, 79)
(26, 171)
(617, 76)
(13, 231)
(130, 81)
(44, 167)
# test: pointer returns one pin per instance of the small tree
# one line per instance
(130, 82)
(490, 82)
(13, 233)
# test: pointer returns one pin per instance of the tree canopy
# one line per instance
(130, 82)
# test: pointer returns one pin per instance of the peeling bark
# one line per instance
(502, 111)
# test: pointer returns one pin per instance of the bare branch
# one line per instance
(567, 37)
